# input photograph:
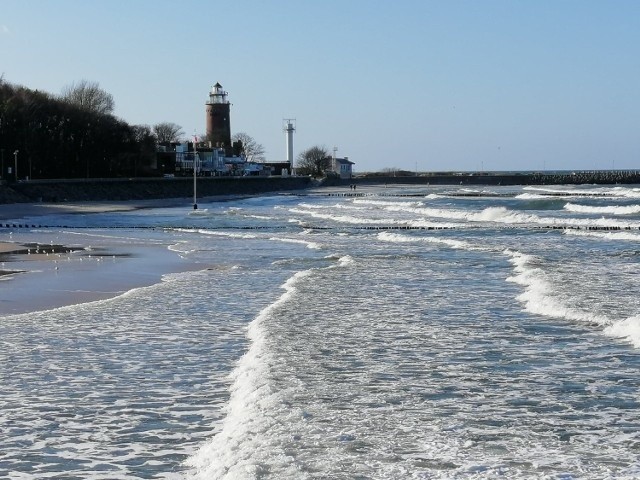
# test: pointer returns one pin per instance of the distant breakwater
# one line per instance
(79, 190)
(602, 177)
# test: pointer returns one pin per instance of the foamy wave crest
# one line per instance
(429, 212)
(251, 420)
(538, 296)
(625, 192)
(531, 196)
(260, 217)
(596, 192)
(624, 236)
(311, 245)
(426, 224)
(350, 207)
(502, 215)
(506, 216)
(312, 206)
(400, 238)
(491, 214)
(628, 329)
(610, 209)
(346, 260)
(215, 233)
(385, 203)
(341, 260)
(345, 218)
(225, 234)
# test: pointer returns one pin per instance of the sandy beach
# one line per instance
(16, 211)
(44, 268)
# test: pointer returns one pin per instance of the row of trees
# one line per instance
(73, 135)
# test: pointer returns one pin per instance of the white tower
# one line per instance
(289, 128)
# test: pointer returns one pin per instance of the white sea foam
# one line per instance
(348, 219)
(249, 419)
(385, 203)
(506, 216)
(218, 233)
(313, 206)
(346, 260)
(490, 214)
(429, 212)
(623, 236)
(596, 192)
(539, 297)
(203, 212)
(400, 238)
(311, 245)
(260, 217)
(608, 209)
(628, 329)
(502, 215)
(532, 196)
(624, 192)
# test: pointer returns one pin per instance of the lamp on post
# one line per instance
(15, 163)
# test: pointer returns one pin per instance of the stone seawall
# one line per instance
(144, 189)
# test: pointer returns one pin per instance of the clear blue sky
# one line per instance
(437, 85)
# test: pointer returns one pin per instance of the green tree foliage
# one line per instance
(58, 139)
(314, 161)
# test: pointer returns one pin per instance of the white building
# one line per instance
(343, 167)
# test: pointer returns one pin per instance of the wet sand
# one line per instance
(44, 269)
(15, 211)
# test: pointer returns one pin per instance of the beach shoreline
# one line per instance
(16, 211)
(42, 269)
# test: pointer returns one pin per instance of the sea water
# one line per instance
(386, 333)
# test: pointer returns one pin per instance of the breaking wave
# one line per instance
(609, 209)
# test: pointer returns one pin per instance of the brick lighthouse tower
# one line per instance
(218, 122)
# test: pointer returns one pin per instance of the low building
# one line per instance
(180, 158)
(342, 167)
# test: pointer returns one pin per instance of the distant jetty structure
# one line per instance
(578, 177)
(288, 128)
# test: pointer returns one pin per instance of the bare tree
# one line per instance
(252, 150)
(314, 161)
(89, 96)
(168, 132)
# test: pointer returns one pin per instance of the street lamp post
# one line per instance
(15, 163)
(2, 171)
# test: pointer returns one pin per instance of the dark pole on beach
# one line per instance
(2, 171)
(195, 155)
